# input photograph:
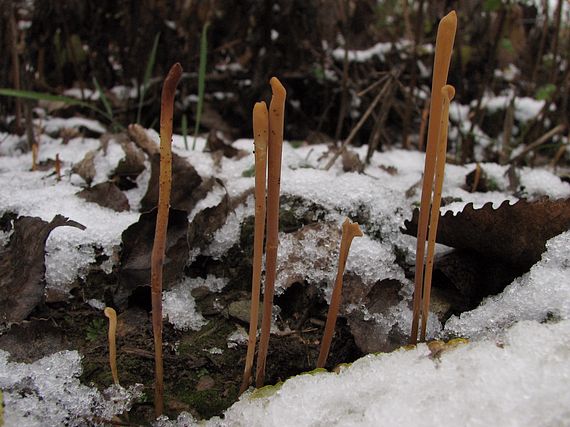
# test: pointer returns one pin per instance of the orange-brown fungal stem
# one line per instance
(276, 123)
(57, 168)
(443, 49)
(448, 92)
(159, 246)
(112, 316)
(349, 232)
(260, 138)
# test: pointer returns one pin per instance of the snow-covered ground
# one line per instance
(514, 369)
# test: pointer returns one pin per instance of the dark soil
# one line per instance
(198, 381)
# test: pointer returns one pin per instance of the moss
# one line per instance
(207, 403)
(268, 390)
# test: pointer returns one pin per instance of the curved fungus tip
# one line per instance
(276, 86)
(352, 228)
(110, 312)
(450, 17)
(448, 91)
(176, 70)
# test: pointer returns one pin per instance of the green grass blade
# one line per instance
(48, 97)
(185, 130)
(147, 74)
(104, 99)
(201, 79)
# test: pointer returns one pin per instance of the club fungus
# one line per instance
(349, 231)
(276, 122)
(260, 137)
(443, 48)
(448, 92)
(159, 246)
(112, 316)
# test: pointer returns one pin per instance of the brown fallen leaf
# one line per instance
(22, 266)
(216, 142)
(86, 167)
(137, 241)
(106, 194)
(188, 187)
(516, 233)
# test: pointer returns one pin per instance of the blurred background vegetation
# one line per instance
(105, 47)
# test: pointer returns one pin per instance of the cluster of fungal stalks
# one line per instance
(268, 141)
(441, 95)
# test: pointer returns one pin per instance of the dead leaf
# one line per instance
(137, 241)
(351, 162)
(369, 335)
(188, 187)
(216, 142)
(29, 341)
(132, 164)
(22, 266)
(86, 167)
(206, 222)
(106, 194)
(516, 234)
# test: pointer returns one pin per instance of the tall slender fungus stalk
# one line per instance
(276, 122)
(349, 232)
(112, 316)
(448, 92)
(159, 246)
(260, 138)
(443, 48)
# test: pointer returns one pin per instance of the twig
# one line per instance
(159, 246)
(276, 123)
(356, 128)
(544, 138)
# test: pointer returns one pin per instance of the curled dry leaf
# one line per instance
(106, 194)
(86, 167)
(516, 233)
(188, 187)
(22, 266)
(137, 241)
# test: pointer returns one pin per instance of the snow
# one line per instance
(48, 393)
(379, 50)
(521, 380)
(53, 125)
(179, 306)
(525, 108)
(69, 251)
(514, 371)
(541, 293)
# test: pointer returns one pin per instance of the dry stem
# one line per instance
(35, 150)
(448, 92)
(349, 232)
(276, 122)
(57, 167)
(159, 246)
(260, 138)
(112, 315)
(443, 49)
